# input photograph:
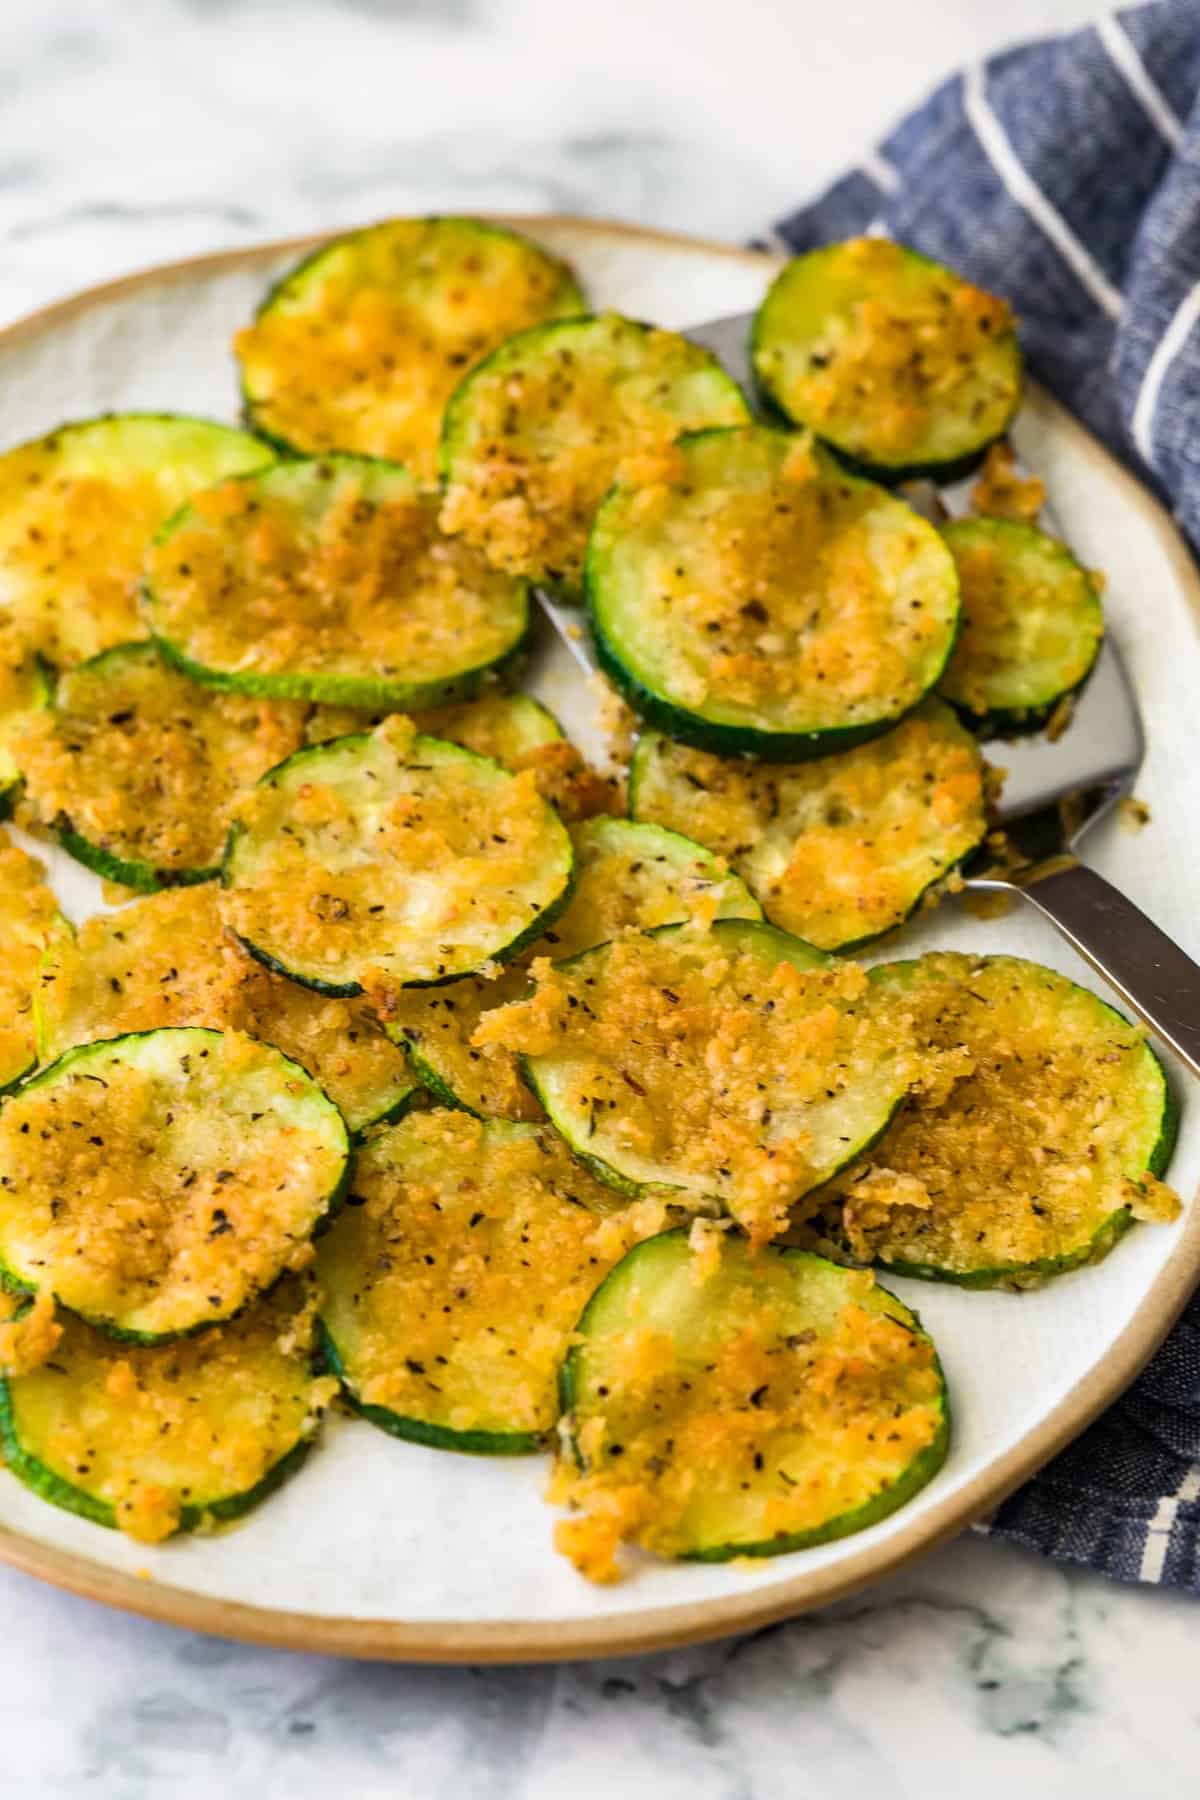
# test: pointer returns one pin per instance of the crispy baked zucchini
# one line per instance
(899, 364)
(838, 850)
(135, 768)
(158, 1182)
(392, 857)
(29, 922)
(532, 439)
(728, 1403)
(157, 1439)
(162, 961)
(77, 510)
(454, 1278)
(158, 961)
(361, 344)
(1035, 1139)
(328, 579)
(628, 877)
(736, 1065)
(507, 727)
(26, 687)
(758, 599)
(1032, 625)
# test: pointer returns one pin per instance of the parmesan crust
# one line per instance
(711, 1063)
(887, 355)
(317, 573)
(1031, 1146)
(174, 1177)
(1001, 492)
(455, 1278)
(165, 960)
(146, 766)
(766, 588)
(837, 850)
(793, 1399)
(1032, 621)
(392, 858)
(29, 922)
(361, 347)
(626, 879)
(77, 510)
(159, 1434)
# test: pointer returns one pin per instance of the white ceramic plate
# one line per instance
(387, 1549)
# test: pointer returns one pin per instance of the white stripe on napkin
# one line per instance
(1158, 1537)
(880, 171)
(1141, 83)
(1028, 196)
(1166, 350)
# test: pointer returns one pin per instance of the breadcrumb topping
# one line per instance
(840, 849)
(361, 348)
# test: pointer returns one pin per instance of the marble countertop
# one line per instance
(136, 132)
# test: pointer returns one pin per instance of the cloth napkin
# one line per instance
(1066, 175)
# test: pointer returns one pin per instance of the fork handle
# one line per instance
(1159, 981)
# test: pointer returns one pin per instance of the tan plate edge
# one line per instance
(658, 1628)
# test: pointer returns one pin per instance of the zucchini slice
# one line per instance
(1032, 625)
(158, 1182)
(135, 768)
(507, 727)
(534, 437)
(77, 510)
(329, 580)
(361, 344)
(736, 1065)
(729, 1402)
(454, 1278)
(156, 1439)
(839, 850)
(157, 961)
(29, 922)
(900, 365)
(760, 600)
(391, 856)
(162, 961)
(26, 688)
(1035, 1147)
(628, 877)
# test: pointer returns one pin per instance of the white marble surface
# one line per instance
(133, 131)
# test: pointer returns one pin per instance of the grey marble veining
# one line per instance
(141, 130)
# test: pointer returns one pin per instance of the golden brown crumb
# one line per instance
(1001, 492)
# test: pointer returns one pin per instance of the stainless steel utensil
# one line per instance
(1097, 759)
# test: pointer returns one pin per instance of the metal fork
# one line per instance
(1097, 759)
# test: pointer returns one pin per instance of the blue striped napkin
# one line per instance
(1066, 175)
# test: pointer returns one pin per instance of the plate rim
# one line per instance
(659, 1627)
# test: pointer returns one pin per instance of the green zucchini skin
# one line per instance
(698, 728)
(725, 740)
(917, 1475)
(420, 1431)
(772, 327)
(143, 878)
(1012, 540)
(57, 1491)
(349, 690)
(369, 693)
(14, 1283)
